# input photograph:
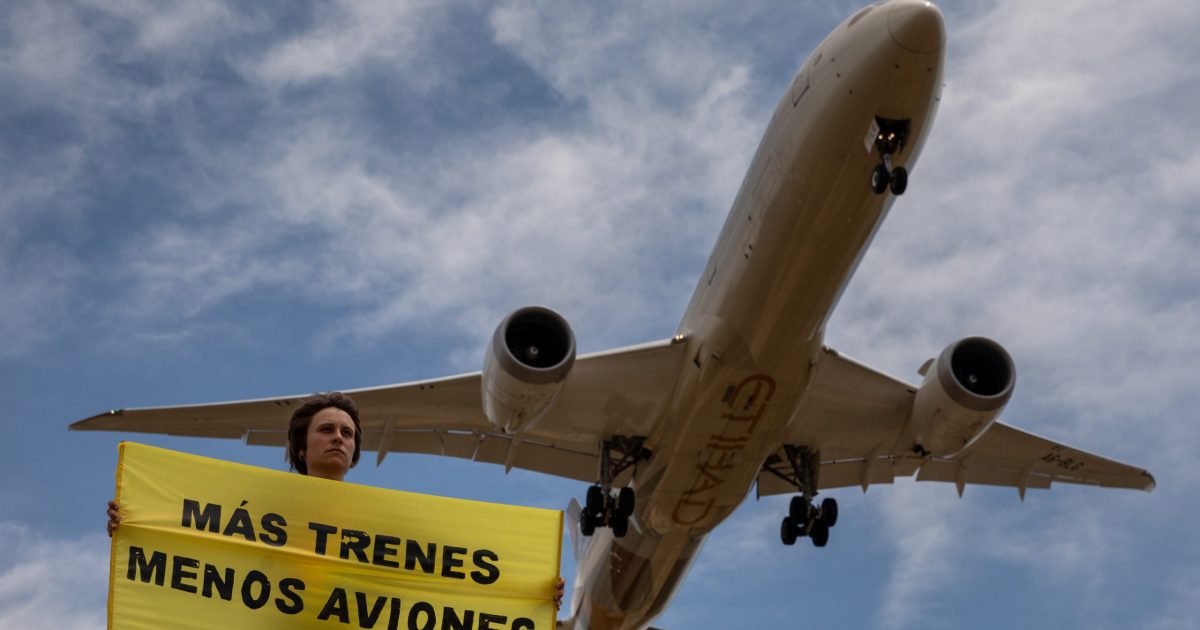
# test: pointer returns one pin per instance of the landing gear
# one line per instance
(625, 501)
(787, 531)
(804, 517)
(829, 511)
(880, 178)
(605, 507)
(587, 523)
(890, 136)
(595, 500)
(899, 180)
(620, 525)
(819, 534)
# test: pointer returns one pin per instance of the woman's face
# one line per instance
(330, 445)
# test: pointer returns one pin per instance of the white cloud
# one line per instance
(50, 582)
(926, 553)
(172, 28)
(1183, 607)
(450, 237)
(35, 289)
(58, 61)
(1068, 544)
(346, 35)
(470, 229)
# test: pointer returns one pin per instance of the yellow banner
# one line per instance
(205, 543)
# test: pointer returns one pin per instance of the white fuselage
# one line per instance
(801, 222)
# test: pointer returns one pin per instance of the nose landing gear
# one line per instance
(889, 138)
(882, 178)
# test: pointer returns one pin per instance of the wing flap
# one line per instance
(863, 472)
(264, 437)
(492, 448)
(948, 471)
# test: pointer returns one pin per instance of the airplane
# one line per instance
(673, 435)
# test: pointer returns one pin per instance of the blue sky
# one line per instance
(201, 202)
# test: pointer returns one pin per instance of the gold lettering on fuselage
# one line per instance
(747, 403)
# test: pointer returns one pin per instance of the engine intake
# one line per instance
(527, 361)
(965, 389)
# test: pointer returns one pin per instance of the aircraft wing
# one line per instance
(617, 392)
(856, 418)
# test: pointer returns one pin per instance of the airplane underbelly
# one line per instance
(727, 416)
(631, 580)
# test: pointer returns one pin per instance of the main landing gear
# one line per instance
(604, 506)
(607, 509)
(889, 140)
(804, 518)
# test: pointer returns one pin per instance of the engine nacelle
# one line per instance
(964, 390)
(530, 355)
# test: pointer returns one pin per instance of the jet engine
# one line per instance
(527, 361)
(965, 388)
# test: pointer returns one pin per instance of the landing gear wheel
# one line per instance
(595, 501)
(880, 178)
(625, 502)
(787, 531)
(587, 524)
(798, 510)
(829, 512)
(619, 525)
(899, 180)
(819, 534)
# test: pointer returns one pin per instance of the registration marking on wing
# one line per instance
(1066, 462)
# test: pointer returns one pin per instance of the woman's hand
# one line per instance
(558, 591)
(114, 519)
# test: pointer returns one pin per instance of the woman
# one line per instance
(324, 440)
(324, 436)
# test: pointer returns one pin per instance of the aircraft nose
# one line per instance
(916, 25)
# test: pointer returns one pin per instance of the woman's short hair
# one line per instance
(302, 417)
